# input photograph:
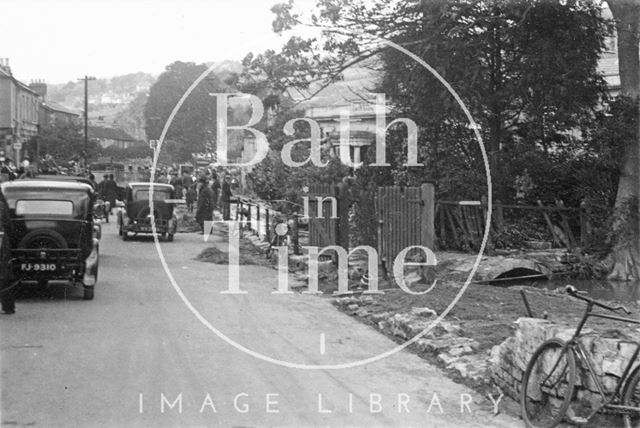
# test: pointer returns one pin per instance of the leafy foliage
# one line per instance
(526, 70)
(64, 142)
(136, 152)
(193, 127)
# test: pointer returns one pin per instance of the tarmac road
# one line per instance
(137, 356)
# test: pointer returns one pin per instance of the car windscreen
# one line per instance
(158, 195)
(44, 207)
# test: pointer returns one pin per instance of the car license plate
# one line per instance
(145, 228)
(38, 267)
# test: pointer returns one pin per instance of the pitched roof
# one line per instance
(102, 132)
(7, 74)
(355, 87)
(50, 105)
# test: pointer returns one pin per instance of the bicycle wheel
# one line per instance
(548, 385)
(631, 397)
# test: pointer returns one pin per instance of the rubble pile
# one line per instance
(443, 340)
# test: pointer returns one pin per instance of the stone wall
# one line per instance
(445, 342)
(609, 356)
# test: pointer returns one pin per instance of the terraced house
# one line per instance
(19, 113)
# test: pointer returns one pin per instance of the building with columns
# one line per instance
(353, 99)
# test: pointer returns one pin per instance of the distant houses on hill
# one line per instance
(113, 137)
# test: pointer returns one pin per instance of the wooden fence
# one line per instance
(408, 216)
(405, 218)
(324, 226)
(460, 225)
(404, 215)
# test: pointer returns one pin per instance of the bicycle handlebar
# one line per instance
(573, 292)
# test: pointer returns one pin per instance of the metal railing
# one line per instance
(259, 217)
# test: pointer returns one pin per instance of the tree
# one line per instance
(136, 152)
(527, 70)
(64, 142)
(193, 128)
(131, 120)
(626, 253)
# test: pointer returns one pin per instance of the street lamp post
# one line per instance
(86, 115)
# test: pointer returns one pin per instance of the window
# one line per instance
(158, 195)
(44, 207)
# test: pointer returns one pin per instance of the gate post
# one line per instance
(427, 218)
(295, 235)
(258, 219)
(267, 233)
(343, 199)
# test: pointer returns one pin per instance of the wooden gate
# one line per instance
(323, 231)
(406, 218)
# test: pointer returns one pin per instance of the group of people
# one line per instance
(9, 171)
(209, 194)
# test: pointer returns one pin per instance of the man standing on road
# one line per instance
(215, 187)
(93, 181)
(176, 182)
(101, 187)
(7, 294)
(187, 181)
(204, 210)
(225, 198)
(111, 192)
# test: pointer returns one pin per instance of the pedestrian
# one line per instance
(215, 187)
(187, 180)
(93, 182)
(225, 198)
(6, 172)
(7, 292)
(204, 210)
(101, 186)
(110, 192)
(176, 182)
(191, 197)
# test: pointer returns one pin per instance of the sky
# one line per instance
(63, 40)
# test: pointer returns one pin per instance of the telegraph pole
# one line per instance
(86, 115)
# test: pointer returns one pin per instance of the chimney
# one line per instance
(40, 87)
(4, 65)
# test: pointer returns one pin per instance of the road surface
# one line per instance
(138, 356)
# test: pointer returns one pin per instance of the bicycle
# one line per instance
(549, 382)
(281, 236)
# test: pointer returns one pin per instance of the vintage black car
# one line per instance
(53, 235)
(60, 177)
(136, 216)
(100, 206)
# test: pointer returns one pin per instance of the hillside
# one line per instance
(119, 101)
(103, 91)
